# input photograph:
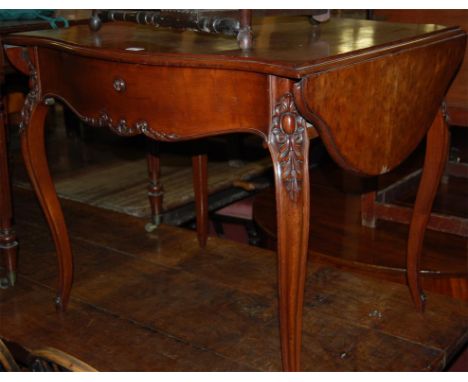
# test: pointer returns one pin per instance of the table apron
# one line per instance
(165, 103)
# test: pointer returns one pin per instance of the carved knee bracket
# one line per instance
(287, 136)
(33, 96)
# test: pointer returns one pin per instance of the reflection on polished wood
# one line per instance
(184, 85)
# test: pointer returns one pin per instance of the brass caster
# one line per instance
(150, 227)
(154, 224)
(58, 303)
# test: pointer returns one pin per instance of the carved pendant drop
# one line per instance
(287, 136)
(31, 98)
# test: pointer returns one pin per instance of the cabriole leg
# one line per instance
(289, 144)
(437, 146)
(34, 154)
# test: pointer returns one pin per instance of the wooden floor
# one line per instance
(156, 302)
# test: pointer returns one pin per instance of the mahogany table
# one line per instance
(370, 90)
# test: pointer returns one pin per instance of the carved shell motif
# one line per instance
(287, 135)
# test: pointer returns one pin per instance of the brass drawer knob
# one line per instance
(119, 85)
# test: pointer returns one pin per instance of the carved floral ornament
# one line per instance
(32, 97)
(122, 127)
(287, 135)
(103, 120)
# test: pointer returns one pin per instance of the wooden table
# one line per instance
(371, 90)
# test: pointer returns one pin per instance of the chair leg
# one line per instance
(8, 243)
(368, 218)
(200, 185)
(155, 188)
(437, 146)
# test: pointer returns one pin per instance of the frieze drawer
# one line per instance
(157, 102)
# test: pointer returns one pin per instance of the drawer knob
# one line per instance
(119, 85)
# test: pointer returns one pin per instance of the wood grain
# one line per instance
(457, 96)
(395, 121)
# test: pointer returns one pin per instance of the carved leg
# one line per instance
(289, 144)
(155, 189)
(8, 243)
(434, 165)
(200, 187)
(33, 148)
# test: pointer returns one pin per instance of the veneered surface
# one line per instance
(457, 95)
(371, 115)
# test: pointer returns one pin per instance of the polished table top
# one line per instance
(288, 46)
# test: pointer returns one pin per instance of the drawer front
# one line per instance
(167, 103)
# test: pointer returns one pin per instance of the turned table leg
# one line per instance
(34, 154)
(437, 146)
(155, 188)
(289, 145)
(8, 243)
(200, 187)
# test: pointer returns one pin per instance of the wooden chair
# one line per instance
(46, 359)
